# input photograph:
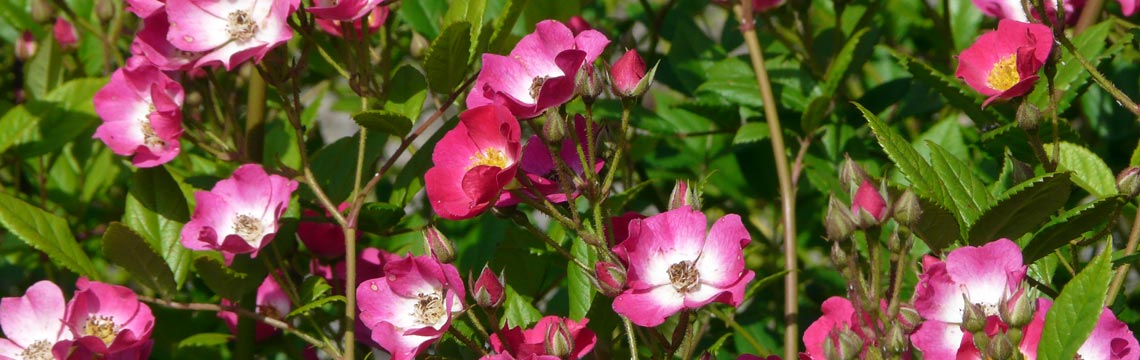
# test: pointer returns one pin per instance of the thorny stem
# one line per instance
(521, 220)
(466, 341)
(246, 313)
(1104, 83)
(1122, 271)
(630, 337)
(787, 192)
(255, 118)
(679, 333)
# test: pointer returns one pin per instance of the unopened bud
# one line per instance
(627, 74)
(558, 340)
(684, 195)
(897, 339)
(438, 245)
(973, 316)
(554, 129)
(850, 345)
(488, 289)
(64, 33)
(25, 46)
(419, 46)
(851, 174)
(611, 278)
(104, 9)
(907, 209)
(909, 318)
(577, 24)
(1018, 309)
(1028, 117)
(838, 256)
(42, 11)
(999, 348)
(838, 222)
(589, 83)
(868, 206)
(1128, 182)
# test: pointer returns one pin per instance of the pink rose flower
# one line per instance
(239, 215)
(272, 302)
(322, 238)
(523, 344)
(1003, 64)
(34, 324)
(627, 73)
(150, 42)
(541, 170)
(108, 319)
(1012, 9)
(675, 264)
(228, 32)
(412, 305)
(1110, 339)
(473, 162)
(375, 21)
(987, 275)
(342, 10)
(1127, 7)
(141, 109)
(64, 33)
(540, 71)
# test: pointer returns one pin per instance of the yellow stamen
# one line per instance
(489, 157)
(1004, 74)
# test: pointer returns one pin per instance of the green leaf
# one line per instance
(45, 232)
(125, 248)
(969, 193)
(232, 282)
(406, 93)
(912, 165)
(733, 80)
(578, 281)
(334, 165)
(937, 226)
(518, 311)
(44, 70)
(424, 16)
(765, 282)
(315, 304)
(384, 121)
(502, 26)
(205, 340)
(1089, 170)
(951, 89)
(156, 209)
(45, 125)
(1070, 225)
(379, 218)
(1076, 311)
(472, 12)
(314, 288)
(1071, 76)
(446, 61)
(1021, 209)
(750, 133)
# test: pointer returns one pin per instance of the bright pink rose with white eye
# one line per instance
(141, 109)
(239, 215)
(412, 305)
(473, 162)
(34, 324)
(675, 264)
(541, 171)
(375, 21)
(523, 344)
(272, 302)
(986, 275)
(342, 10)
(64, 33)
(322, 238)
(228, 32)
(150, 42)
(108, 319)
(1110, 339)
(539, 72)
(1003, 64)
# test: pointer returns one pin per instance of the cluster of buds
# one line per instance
(868, 208)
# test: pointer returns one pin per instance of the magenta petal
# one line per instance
(650, 307)
(1127, 7)
(722, 258)
(837, 314)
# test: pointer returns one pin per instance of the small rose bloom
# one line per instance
(107, 319)
(342, 10)
(228, 32)
(627, 73)
(523, 344)
(34, 324)
(375, 21)
(141, 109)
(986, 275)
(64, 33)
(272, 302)
(1110, 339)
(322, 238)
(1003, 64)
(540, 71)
(411, 306)
(239, 215)
(675, 264)
(473, 162)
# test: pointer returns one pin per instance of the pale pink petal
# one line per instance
(38, 315)
(937, 340)
(721, 261)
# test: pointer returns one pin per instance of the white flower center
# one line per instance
(39, 350)
(428, 309)
(102, 327)
(684, 276)
(241, 27)
(248, 227)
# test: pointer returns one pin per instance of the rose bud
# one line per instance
(488, 289)
(438, 246)
(973, 316)
(1128, 182)
(1018, 309)
(907, 209)
(64, 33)
(577, 24)
(1000, 348)
(628, 75)
(611, 278)
(25, 46)
(838, 222)
(558, 340)
(851, 175)
(684, 195)
(868, 207)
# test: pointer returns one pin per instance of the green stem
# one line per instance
(787, 193)
(1104, 83)
(740, 330)
(1122, 271)
(630, 337)
(246, 329)
(255, 117)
